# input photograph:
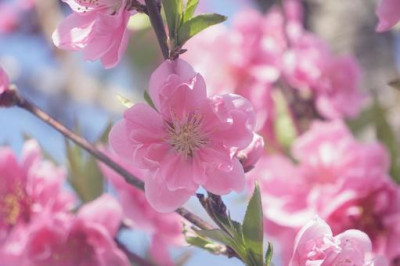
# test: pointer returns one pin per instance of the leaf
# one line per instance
(268, 254)
(173, 13)
(362, 121)
(253, 226)
(190, 8)
(85, 176)
(205, 244)
(148, 100)
(217, 235)
(103, 138)
(386, 135)
(124, 101)
(196, 25)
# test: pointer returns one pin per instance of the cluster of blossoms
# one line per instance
(98, 28)
(342, 180)
(261, 53)
(38, 227)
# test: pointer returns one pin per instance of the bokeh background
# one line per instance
(83, 95)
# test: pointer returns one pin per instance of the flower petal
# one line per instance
(178, 67)
(162, 199)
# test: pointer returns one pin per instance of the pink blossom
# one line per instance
(187, 141)
(338, 94)
(374, 209)
(87, 239)
(165, 228)
(329, 154)
(8, 18)
(388, 13)
(98, 28)
(29, 187)
(4, 81)
(250, 156)
(316, 245)
(303, 63)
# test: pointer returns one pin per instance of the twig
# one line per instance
(133, 257)
(157, 23)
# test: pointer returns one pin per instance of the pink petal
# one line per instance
(182, 99)
(162, 199)
(178, 67)
(234, 114)
(308, 237)
(120, 142)
(30, 154)
(177, 171)
(221, 182)
(388, 13)
(105, 211)
(74, 32)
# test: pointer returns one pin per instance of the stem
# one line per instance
(13, 97)
(158, 26)
(129, 178)
(133, 257)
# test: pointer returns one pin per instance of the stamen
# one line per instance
(186, 136)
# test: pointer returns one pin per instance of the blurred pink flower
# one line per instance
(4, 81)
(187, 141)
(165, 228)
(29, 187)
(87, 239)
(98, 28)
(335, 177)
(8, 18)
(338, 93)
(316, 245)
(388, 13)
(329, 154)
(374, 209)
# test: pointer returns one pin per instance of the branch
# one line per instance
(153, 10)
(133, 257)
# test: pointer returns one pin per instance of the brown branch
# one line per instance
(133, 257)
(153, 10)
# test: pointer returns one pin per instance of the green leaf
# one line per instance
(268, 254)
(217, 235)
(364, 119)
(173, 13)
(190, 8)
(85, 176)
(386, 135)
(205, 244)
(148, 100)
(253, 226)
(124, 101)
(196, 25)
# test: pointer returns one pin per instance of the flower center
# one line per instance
(14, 206)
(186, 136)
